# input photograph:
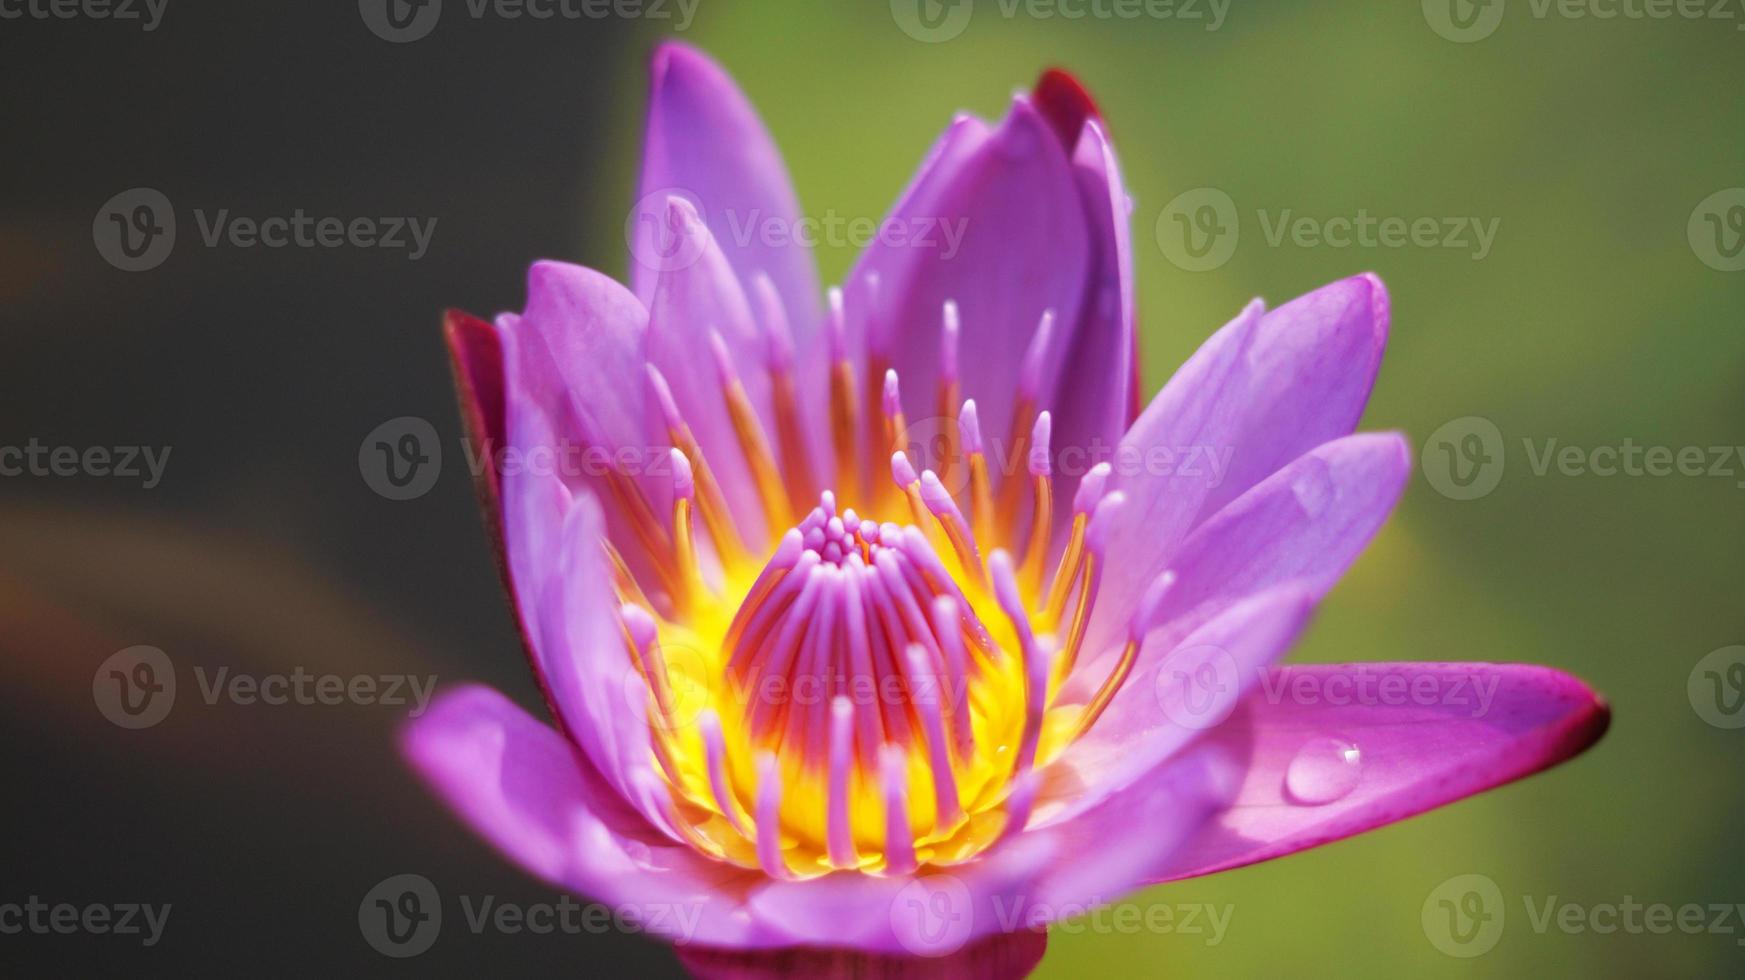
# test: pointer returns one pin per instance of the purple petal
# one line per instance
(705, 142)
(689, 302)
(1263, 391)
(996, 957)
(1091, 401)
(1100, 855)
(578, 328)
(1199, 407)
(1338, 749)
(1012, 197)
(960, 143)
(1027, 881)
(599, 693)
(1180, 687)
(1310, 372)
(1305, 524)
(560, 421)
(564, 599)
(523, 788)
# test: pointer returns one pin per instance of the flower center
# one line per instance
(876, 696)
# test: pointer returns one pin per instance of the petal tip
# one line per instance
(1588, 720)
(548, 274)
(1066, 103)
(1380, 304)
(671, 55)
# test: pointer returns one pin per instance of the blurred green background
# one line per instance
(1591, 320)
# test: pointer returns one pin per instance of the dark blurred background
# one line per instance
(1600, 313)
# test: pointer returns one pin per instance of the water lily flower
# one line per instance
(880, 619)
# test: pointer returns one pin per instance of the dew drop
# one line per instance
(1324, 770)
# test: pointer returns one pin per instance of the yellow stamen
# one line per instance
(1064, 572)
(981, 500)
(777, 510)
(711, 503)
(1041, 526)
(1081, 613)
(1106, 693)
(796, 459)
(685, 552)
(845, 430)
(1023, 418)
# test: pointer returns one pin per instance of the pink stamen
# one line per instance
(927, 705)
(715, 754)
(769, 815)
(839, 841)
(899, 839)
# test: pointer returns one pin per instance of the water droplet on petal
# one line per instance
(1324, 770)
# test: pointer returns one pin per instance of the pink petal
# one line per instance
(599, 693)
(1306, 523)
(1091, 403)
(1024, 250)
(1029, 880)
(1309, 375)
(705, 142)
(522, 787)
(579, 327)
(563, 593)
(559, 418)
(1163, 705)
(1438, 733)
(960, 143)
(1199, 407)
(1239, 578)
(689, 302)
(996, 957)
(1263, 391)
